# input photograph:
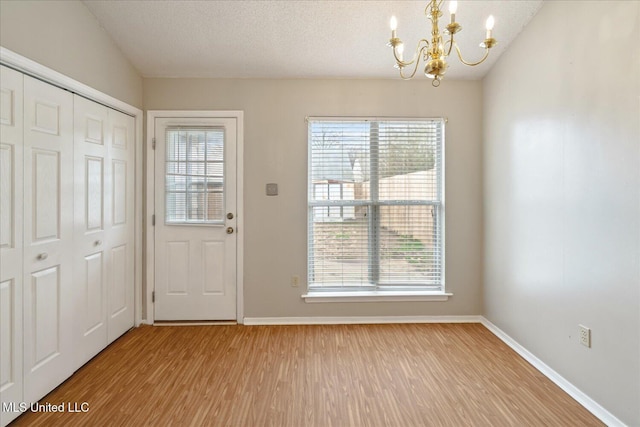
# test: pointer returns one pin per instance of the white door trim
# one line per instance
(152, 115)
(39, 71)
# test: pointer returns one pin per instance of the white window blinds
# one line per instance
(376, 211)
(194, 179)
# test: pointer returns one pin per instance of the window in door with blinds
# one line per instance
(194, 179)
(376, 205)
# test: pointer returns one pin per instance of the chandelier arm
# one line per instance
(472, 64)
(416, 55)
(415, 67)
(451, 42)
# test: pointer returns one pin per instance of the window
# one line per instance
(194, 175)
(375, 205)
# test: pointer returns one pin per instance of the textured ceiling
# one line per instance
(293, 39)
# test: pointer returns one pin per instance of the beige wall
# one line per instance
(562, 196)
(65, 36)
(276, 151)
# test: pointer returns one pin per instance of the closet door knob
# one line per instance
(97, 243)
(42, 256)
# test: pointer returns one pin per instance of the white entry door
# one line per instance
(195, 211)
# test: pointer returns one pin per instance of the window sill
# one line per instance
(375, 296)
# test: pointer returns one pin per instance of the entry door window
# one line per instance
(194, 179)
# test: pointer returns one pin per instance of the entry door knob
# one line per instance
(229, 230)
(229, 215)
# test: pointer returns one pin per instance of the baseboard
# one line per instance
(354, 320)
(591, 405)
(196, 323)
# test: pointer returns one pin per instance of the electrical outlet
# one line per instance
(585, 336)
(295, 281)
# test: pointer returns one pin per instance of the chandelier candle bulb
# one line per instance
(489, 25)
(453, 7)
(394, 26)
(400, 51)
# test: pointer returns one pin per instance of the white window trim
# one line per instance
(374, 296)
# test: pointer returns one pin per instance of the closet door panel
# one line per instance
(11, 240)
(49, 300)
(91, 223)
(120, 275)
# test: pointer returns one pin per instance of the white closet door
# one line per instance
(92, 213)
(11, 181)
(120, 224)
(104, 224)
(49, 300)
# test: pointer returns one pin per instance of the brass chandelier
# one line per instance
(434, 53)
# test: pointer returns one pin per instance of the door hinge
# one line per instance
(153, 219)
(153, 143)
(153, 296)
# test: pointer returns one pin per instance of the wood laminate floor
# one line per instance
(330, 375)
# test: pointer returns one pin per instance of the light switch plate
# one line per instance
(272, 189)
